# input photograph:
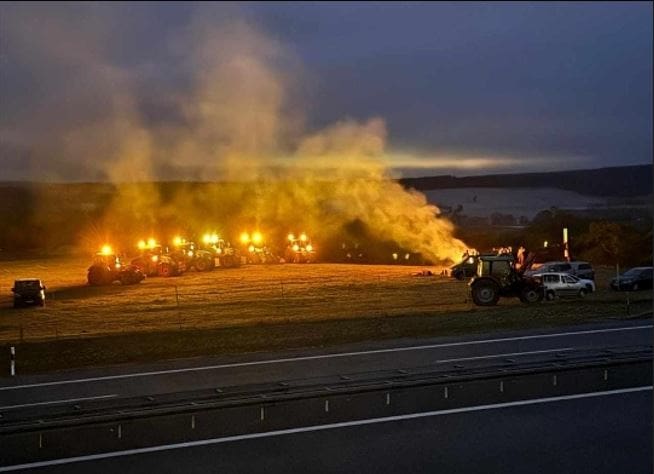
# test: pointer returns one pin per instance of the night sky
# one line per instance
(462, 88)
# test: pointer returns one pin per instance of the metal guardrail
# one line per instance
(104, 411)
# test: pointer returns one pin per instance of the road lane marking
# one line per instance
(314, 428)
(55, 402)
(506, 354)
(321, 356)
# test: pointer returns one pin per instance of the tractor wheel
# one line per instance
(485, 293)
(166, 270)
(203, 265)
(550, 295)
(531, 295)
(98, 276)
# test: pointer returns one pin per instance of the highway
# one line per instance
(575, 399)
(75, 387)
(603, 434)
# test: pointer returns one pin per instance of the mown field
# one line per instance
(261, 308)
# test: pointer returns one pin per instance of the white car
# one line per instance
(558, 284)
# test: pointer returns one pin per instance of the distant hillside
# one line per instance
(622, 181)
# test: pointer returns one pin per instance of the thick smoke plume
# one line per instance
(232, 113)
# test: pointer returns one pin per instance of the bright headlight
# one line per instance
(152, 243)
(177, 241)
(257, 238)
(206, 238)
(141, 245)
(106, 250)
(296, 248)
(309, 248)
(155, 258)
(251, 248)
(291, 237)
(190, 253)
(245, 238)
(303, 237)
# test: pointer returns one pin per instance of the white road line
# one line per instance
(308, 429)
(322, 356)
(55, 402)
(506, 354)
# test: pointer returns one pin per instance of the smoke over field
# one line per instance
(233, 113)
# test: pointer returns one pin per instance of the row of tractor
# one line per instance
(154, 259)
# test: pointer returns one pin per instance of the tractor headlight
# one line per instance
(251, 248)
(141, 245)
(118, 265)
(106, 250)
(206, 239)
(245, 238)
(155, 258)
(177, 241)
(219, 250)
(257, 238)
(309, 248)
(190, 253)
(296, 248)
(152, 243)
(291, 237)
(303, 237)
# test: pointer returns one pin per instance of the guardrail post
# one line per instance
(12, 364)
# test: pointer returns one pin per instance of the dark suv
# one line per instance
(28, 291)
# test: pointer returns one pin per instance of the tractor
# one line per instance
(107, 269)
(497, 277)
(255, 249)
(187, 252)
(223, 254)
(157, 261)
(299, 249)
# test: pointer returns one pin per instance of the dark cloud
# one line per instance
(519, 85)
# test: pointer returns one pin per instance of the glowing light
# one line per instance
(394, 256)
(251, 248)
(407, 256)
(177, 241)
(118, 265)
(219, 250)
(214, 238)
(296, 248)
(245, 238)
(155, 258)
(141, 245)
(291, 237)
(545, 244)
(303, 237)
(152, 243)
(106, 250)
(206, 238)
(309, 248)
(257, 238)
(190, 253)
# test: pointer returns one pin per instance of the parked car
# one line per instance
(583, 270)
(559, 284)
(579, 269)
(639, 278)
(28, 291)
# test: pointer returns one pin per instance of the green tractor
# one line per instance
(194, 258)
(497, 277)
(223, 254)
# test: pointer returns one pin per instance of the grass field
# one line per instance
(256, 308)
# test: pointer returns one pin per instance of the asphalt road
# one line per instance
(86, 386)
(601, 433)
